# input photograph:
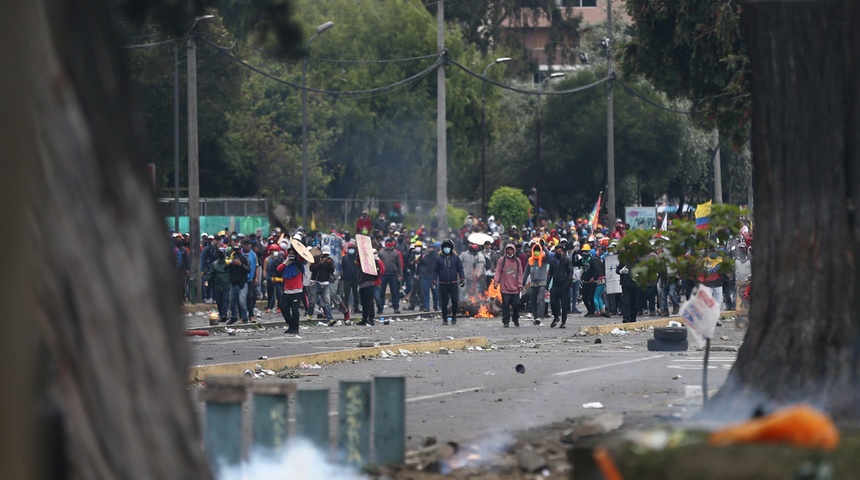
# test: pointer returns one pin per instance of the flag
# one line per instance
(703, 215)
(594, 216)
(313, 222)
(665, 225)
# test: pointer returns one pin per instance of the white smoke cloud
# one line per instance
(298, 461)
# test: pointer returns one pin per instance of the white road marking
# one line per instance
(443, 394)
(598, 367)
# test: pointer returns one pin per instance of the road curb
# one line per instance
(200, 372)
(608, 328)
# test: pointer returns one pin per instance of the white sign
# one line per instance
(701, 314)
(641, 217)
(613, 280)
(365, 254)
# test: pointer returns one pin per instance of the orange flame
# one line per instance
(494, 291)
(484, 312)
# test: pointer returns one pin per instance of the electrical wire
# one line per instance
(347, 93)
(156, 44)
(527, 91)
(649, 101)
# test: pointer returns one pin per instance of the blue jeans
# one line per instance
(321, 294)
(239, 301)
(669, 292)
(426, 285)
(574, 294)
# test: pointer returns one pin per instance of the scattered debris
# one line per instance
(489, 372)
(592, 405)
(599, 425)
(305, 365)
(530, 461)
(675, 324)
(520, 368)
(443, 351)
(366, 344)
(598, 341)
(676, 377)
(618, 331)
(262, 357)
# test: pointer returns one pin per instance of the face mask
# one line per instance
(351, 251)
(446, 250)
(536, 253)
(417, 249)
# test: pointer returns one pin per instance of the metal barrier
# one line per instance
(371, 419)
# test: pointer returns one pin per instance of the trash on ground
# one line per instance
(592, 405)
(520, 368)
(618, 331)
(675, 324)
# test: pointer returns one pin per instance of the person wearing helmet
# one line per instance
(321, 272)
(509, 278)
(588, 282)
(448, 275)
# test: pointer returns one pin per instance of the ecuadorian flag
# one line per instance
(703, 215)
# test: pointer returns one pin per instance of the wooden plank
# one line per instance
(389, 420)
(222, 438)
(269, 422)
(365, 254)
(354, 423)
(312, 417)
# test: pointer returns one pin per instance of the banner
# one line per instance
(613, 280)
(641, 217)
(365, 254)
(336, 244)
(594, 216)
(701, 313)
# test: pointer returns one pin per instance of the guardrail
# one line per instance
(371, 419)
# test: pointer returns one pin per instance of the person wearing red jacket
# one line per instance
(292, 271)
(364, 225)
(509, 278)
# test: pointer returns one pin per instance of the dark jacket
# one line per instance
(350, 268)
(560, 273)
(447, 267)
(218, 276)
(592, 269)
(239, 273)
(366, 280)
(322, 269)
(393, 261)
(425, 265)
(627, 278)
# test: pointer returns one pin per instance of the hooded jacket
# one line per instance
(509, 274)
(447, 268)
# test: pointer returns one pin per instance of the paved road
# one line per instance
(471, 394)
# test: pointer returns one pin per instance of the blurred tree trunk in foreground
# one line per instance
(88, 262)
(803, 342)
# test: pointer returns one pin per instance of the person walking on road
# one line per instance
(393, 261)
(321, 272)
(449, 276)
(219, 280)
(239, 268)
(588, 280)
(629, 292)
(536, 274)
(509, 277)
(367, 289)
(350, 277)
(560, 276)
(292, 270)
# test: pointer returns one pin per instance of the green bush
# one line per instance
(510, 206)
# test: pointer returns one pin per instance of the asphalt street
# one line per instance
(469, 394)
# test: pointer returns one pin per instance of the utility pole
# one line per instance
(610, 125)
(718, 172)
(176, 136)
(441, 139)
(193, 172)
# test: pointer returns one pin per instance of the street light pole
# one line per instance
(484, 136)
(539, 167)
(320, 29)
(193, 164)
(176, 136)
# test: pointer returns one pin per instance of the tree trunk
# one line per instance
(803, 343)
(90, 263)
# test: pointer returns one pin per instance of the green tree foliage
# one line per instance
(691, 250)
(509, 205)
(694, 50)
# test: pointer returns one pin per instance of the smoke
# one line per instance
(300, 460)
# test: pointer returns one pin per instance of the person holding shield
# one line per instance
(292, 271)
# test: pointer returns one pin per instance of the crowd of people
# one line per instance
(541, 273)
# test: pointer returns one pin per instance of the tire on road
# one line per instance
(655, 345)
(670, 334)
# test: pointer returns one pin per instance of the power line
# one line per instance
(527, 91)
(349, 93)
(156, 44)
(649, 101)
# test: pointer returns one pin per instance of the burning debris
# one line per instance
(486, 305)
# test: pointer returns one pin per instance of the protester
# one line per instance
(393, 261)
(292, 270)
(321, 273)
(239, 269)
(536, 277)
(218, 278)
(560, 276)
(448, 275)
(366, 289)
(509, 277)
(350, 270)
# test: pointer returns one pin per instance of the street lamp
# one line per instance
(484, 135)
(539, 172)
(320, 29)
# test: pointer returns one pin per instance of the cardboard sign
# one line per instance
(641, 217)
(613, 280)
(365, 254)
(701, 314)
(302, 250)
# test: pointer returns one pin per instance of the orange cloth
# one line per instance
(800, 425)
(539, 258)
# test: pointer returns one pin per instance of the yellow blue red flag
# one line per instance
(703, 215)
